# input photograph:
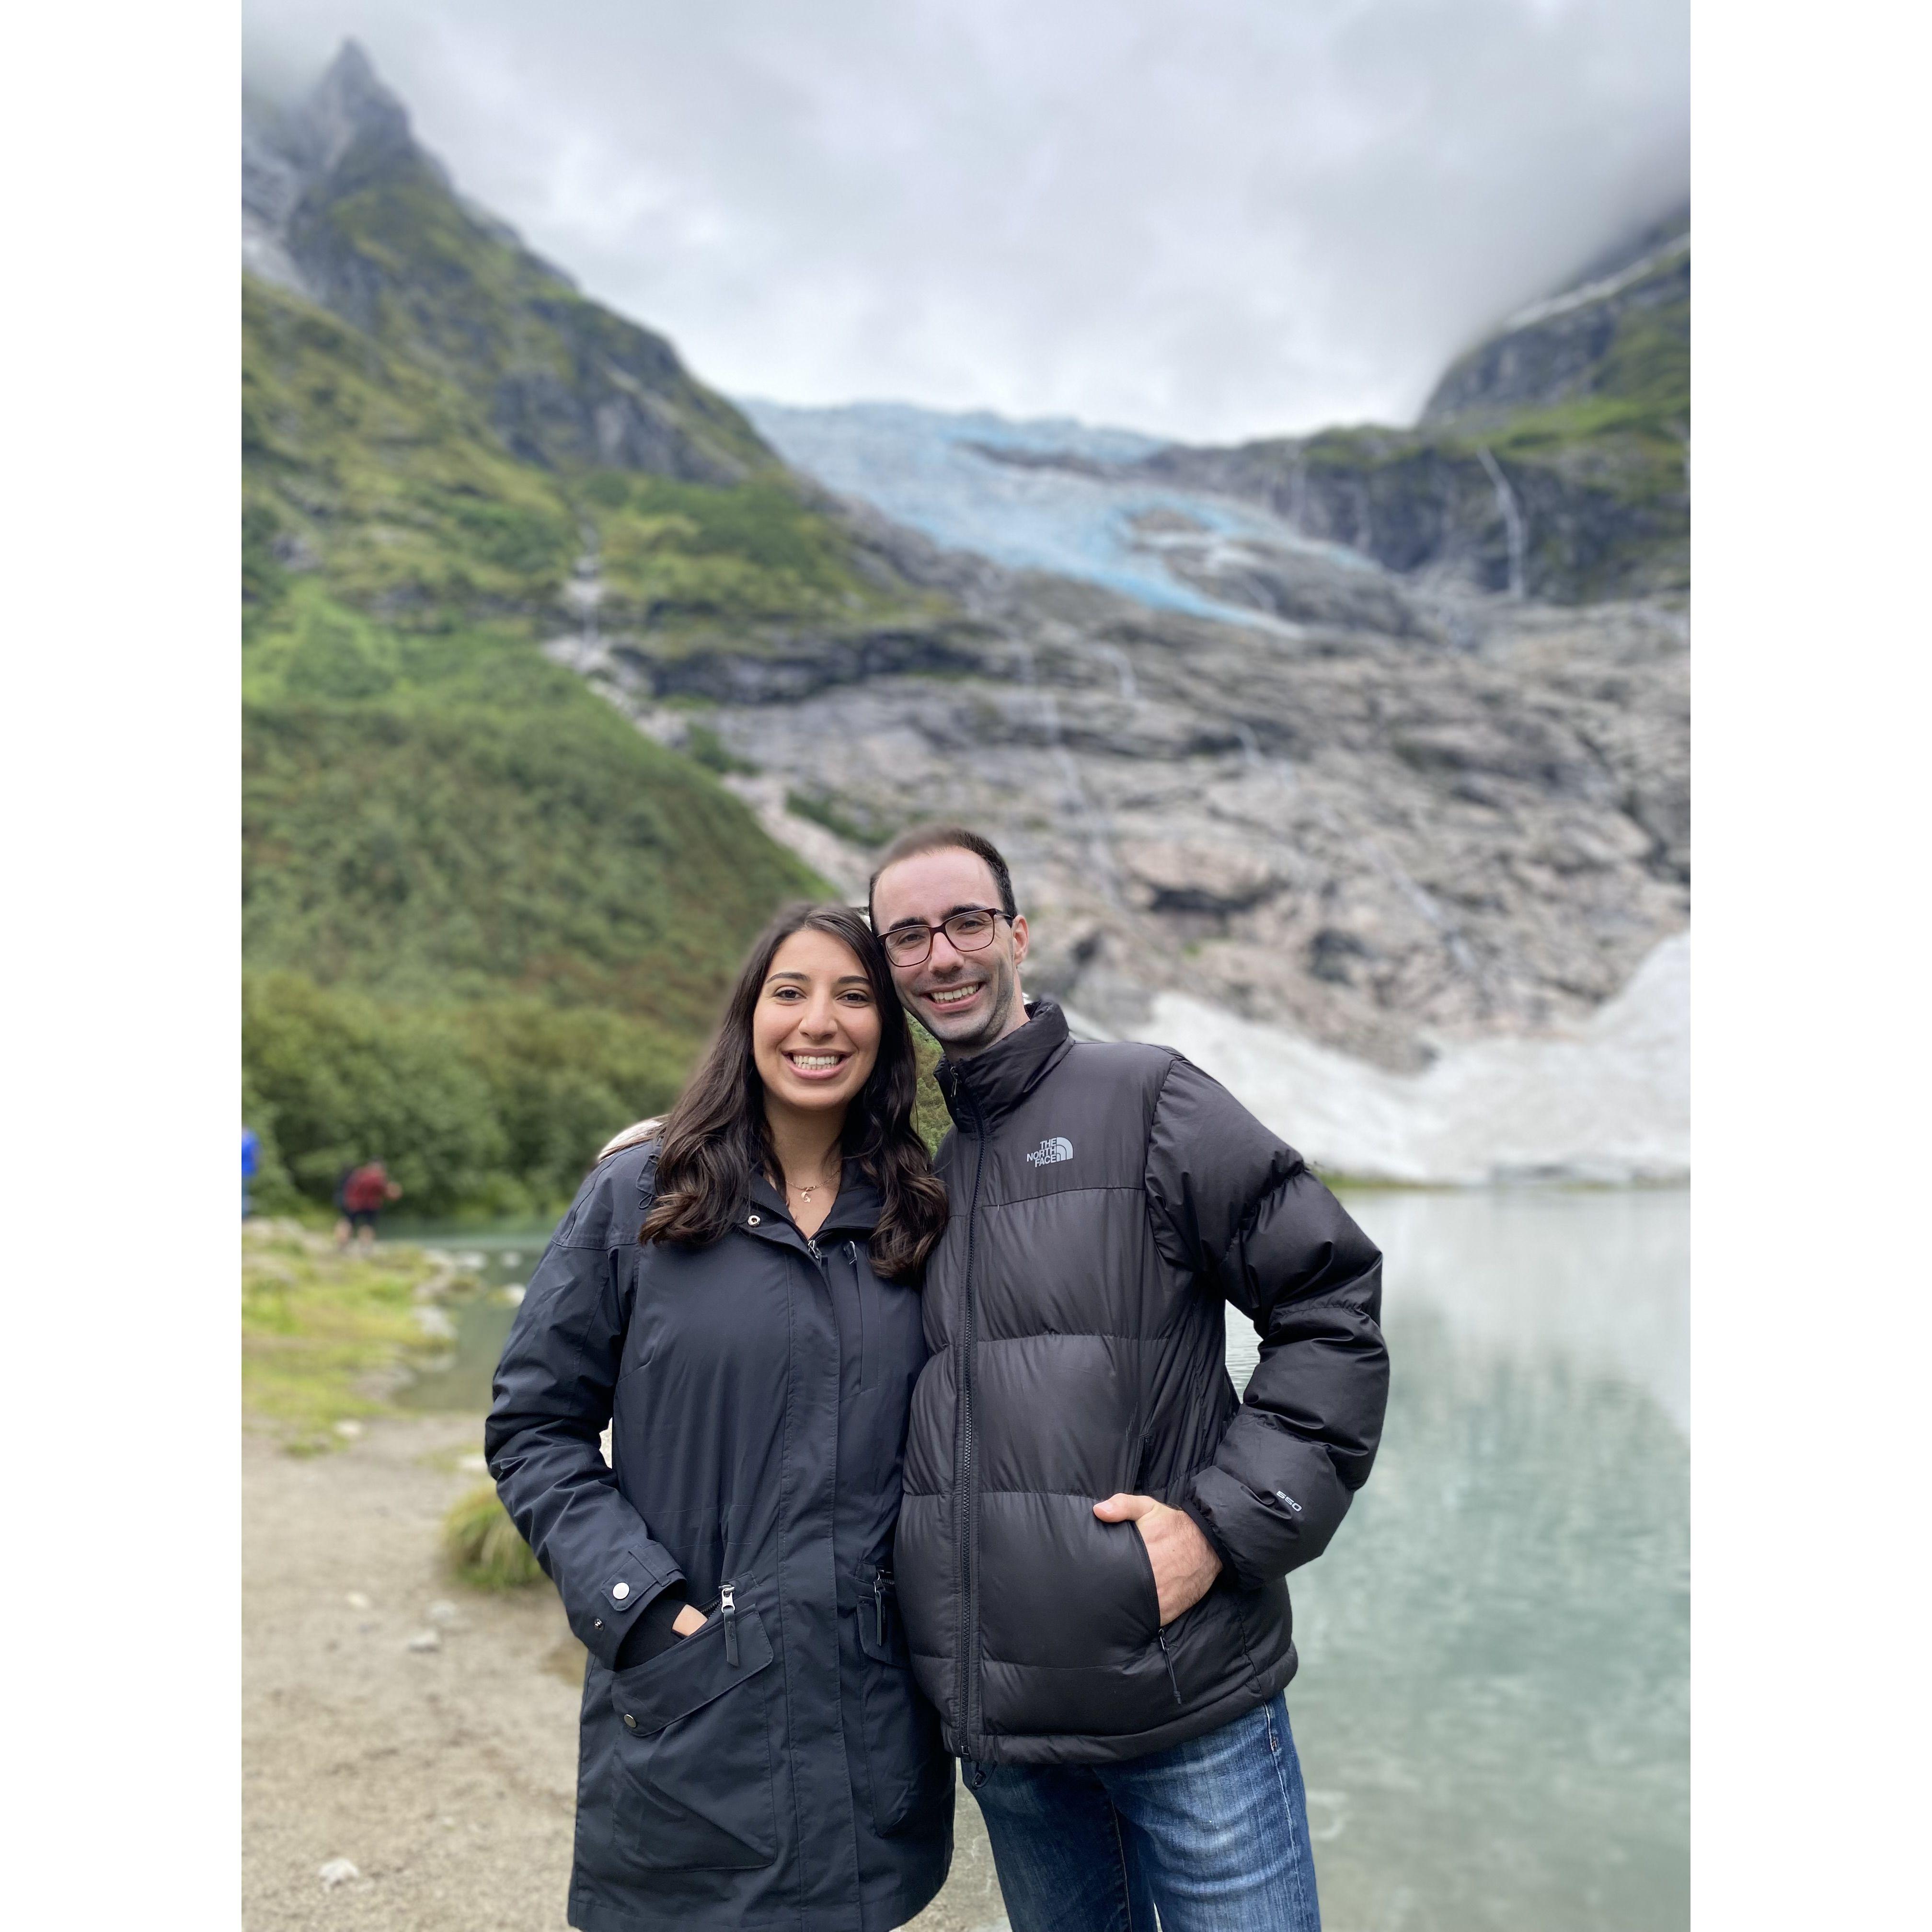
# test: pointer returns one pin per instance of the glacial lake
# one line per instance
(1492, 1708)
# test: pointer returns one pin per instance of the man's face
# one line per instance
(966, 1000)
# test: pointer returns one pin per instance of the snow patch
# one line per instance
(1610, 1103)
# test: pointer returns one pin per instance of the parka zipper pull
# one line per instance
(728, 1610)
(882, 1587)
(1160, 1636)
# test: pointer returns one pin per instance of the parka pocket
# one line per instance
(695, 1748)
(907, 1771)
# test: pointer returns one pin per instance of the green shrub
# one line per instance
(337, 656)
(348, 1082)
(850, 819)
(563, 1080)
(929, 1115)
(263, 579)
(702, 743)
(485, 1548)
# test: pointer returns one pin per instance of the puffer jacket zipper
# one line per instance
(966, 1486)
(1167, 1656)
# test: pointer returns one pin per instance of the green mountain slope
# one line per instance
(366, 470)
(434, 817)
(486, 922)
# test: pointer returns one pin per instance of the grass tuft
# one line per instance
(485, 1548)
(325, 1337)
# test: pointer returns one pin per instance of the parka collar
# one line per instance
(854, 1214)
(994, 1083)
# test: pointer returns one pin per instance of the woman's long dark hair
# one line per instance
(715, 1139)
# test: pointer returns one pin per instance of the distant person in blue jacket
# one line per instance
(251, 1162)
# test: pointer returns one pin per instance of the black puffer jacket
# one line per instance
(777, 1768)
(1106, 1200)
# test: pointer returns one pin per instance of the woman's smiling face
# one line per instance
(815, 1029)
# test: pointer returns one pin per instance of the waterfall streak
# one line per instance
(1513, 527)
(1123, 670)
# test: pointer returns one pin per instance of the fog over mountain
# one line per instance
(1241, 218)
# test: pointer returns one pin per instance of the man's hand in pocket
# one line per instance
(1184, 1563)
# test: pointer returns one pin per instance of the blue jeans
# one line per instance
(1214, 1832)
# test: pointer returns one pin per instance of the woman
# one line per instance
(738, 1301)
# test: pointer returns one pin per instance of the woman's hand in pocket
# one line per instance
(660, 1628)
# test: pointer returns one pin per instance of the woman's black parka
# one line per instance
(777, 1768)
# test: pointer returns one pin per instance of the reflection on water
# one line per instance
(502, 1261)
(1493, 1706)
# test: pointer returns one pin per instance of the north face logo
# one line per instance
(1048, 1152)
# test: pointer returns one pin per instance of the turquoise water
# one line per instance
(502, 1260)
(1493, 1706)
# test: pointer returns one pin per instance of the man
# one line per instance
(1091, 1549)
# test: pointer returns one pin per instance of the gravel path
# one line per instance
(444, 1774)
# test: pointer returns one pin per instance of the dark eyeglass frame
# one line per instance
(906, 927)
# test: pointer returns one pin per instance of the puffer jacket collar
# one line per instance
(994, 1082)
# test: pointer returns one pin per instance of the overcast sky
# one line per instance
(1207, 218)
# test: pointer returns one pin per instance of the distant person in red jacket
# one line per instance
(365, 1191)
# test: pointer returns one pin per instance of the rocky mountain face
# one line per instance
(1551, 461)
(1565, 349)
(1344, 824)
(341, 206)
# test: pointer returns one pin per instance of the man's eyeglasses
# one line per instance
(970, 930)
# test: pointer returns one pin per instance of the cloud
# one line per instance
(1207, 218)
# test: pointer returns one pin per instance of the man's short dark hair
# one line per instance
(909, 845)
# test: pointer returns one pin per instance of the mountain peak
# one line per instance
(288, 152)
(349, 104)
